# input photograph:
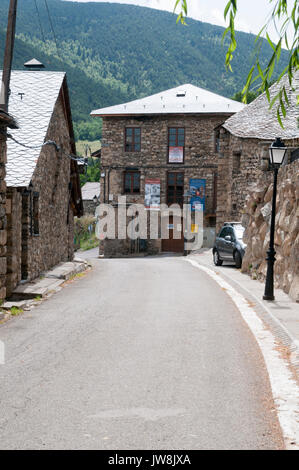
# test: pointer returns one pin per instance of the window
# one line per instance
(236, 161)
(175, 188)
(227, 231)
(132, 139)
(294, 155)
(132, 182)
(217, 140)
(35, 215)
(176, 144)
(223, 233)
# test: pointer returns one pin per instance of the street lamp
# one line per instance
(277, 153)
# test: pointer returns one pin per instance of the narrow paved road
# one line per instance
(144, 353)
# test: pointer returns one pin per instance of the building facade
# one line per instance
(244, 141)
(157, 150)
(91, 197)
(246, 186)
(6, 121)
(43, 189)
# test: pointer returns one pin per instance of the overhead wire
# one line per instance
(39, 21)
(52, 28)
(48, 142)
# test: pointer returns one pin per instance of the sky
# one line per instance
(252, 14)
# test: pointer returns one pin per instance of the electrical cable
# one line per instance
(40, 23)
(48, 142)
(52, 28)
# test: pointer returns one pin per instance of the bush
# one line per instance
(84, 232)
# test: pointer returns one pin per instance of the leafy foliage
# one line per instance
(285, 18)
(251, 95)
(88, 130)
(92, 172)
(84, 232)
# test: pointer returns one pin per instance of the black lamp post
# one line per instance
(277, 153)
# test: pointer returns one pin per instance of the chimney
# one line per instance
(34, 64)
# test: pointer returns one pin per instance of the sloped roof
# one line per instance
(184, 99)
(31, 102)
(90, 190)
(34, 63)
(258, 121)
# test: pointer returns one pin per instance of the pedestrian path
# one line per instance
(27, 293)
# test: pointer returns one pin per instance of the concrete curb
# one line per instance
(24, 296)
(278, 330)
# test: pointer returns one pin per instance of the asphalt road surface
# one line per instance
(146, 353)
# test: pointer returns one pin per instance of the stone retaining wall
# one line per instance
(256, 219)
(3, 234)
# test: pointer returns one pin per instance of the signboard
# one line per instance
(152, 193)
(198, 194)
(176, 155)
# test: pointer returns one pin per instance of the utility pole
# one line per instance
(5, 121)
(8, 54)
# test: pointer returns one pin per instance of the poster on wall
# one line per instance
(152, 193)
(197, 189)
(176, 155)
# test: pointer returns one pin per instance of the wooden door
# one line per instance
(174, 245)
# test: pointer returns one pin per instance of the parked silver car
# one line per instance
(229, 245)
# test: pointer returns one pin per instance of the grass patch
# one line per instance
(89, 243)
(94, 145)
(84, 233)
(16, 311)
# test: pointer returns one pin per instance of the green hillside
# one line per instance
(113, 53)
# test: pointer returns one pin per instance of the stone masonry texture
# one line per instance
(32, 254)
(200, 161)
(3, 221)
(240, 163)
(256, 218)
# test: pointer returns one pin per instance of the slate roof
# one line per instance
(258, 121)
(33, 109)
(89, 190)
(195, 100)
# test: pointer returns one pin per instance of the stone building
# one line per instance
(155, 150)
(43, 188)
(6, 121)
(244, 141)
(246, 185)
(90, 197)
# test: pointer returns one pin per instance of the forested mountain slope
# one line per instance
(114, 52)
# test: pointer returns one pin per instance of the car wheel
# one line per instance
(216, 259)
(238, 259)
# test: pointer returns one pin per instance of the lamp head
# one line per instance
(277, 153)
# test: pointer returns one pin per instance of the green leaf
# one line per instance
(270, 42)
(279, 118)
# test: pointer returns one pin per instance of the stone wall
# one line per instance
(256, 219)
(3, 233)
(200, 160)
(240, 163)
(51, 178)
(89, 206)
(54, 243)
(14, 239)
